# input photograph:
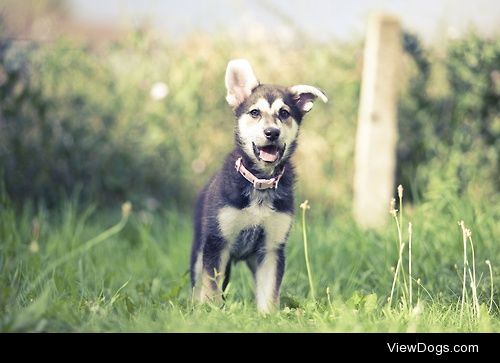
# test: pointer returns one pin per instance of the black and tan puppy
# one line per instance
(246, 210)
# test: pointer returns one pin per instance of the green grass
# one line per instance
(59, 272)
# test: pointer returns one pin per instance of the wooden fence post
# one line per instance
(376, 138)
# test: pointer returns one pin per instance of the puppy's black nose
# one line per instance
(272, 133)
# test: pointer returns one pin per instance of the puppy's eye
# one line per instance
(284, 114)
(254, 113)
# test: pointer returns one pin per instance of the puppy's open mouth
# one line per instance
(268, 153)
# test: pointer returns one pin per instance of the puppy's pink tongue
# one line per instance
(269, 154)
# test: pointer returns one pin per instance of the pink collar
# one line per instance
(257, 183)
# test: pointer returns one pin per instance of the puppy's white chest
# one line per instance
(275, 224)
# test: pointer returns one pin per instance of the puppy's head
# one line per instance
(268, 117)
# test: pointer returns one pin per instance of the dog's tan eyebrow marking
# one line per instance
(262, 104)
(277, 105)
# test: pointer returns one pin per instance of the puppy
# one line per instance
(245, 211)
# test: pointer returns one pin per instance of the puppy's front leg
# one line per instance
(268, 276)
(215, 258)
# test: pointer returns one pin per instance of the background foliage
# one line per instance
(80, 118)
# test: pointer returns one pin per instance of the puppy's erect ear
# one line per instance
(304, 96)
(240, 81)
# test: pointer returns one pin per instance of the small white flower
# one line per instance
(159, 91)
(305, 205)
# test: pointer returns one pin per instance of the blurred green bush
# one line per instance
(146, 120)
(449, 118)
